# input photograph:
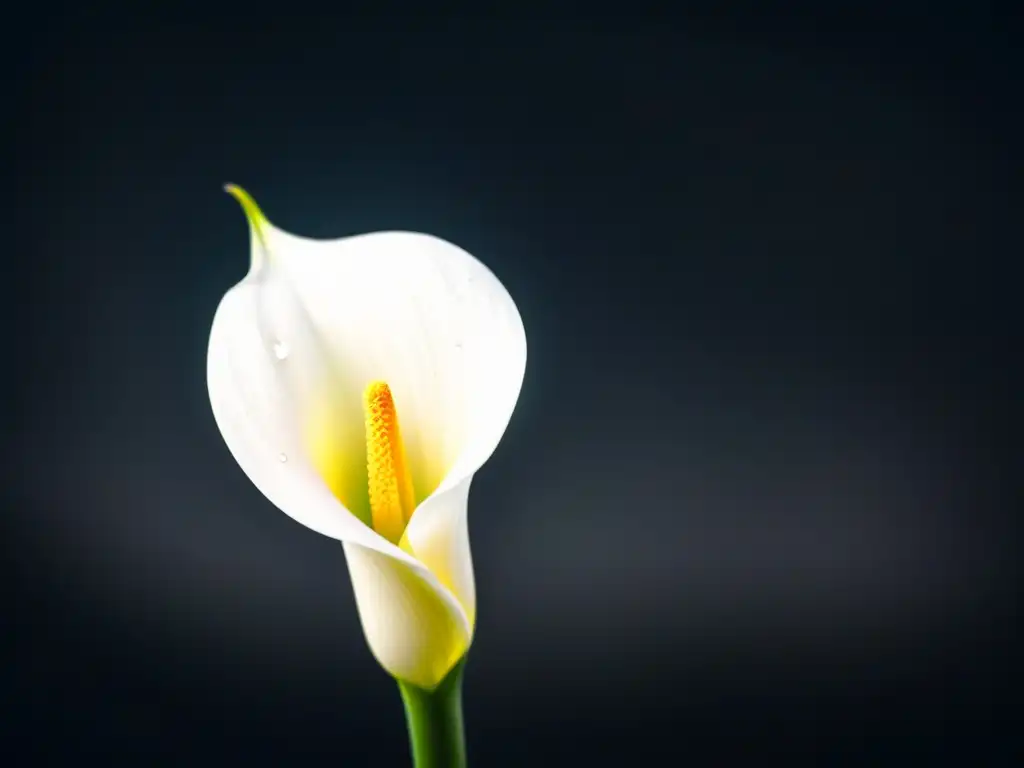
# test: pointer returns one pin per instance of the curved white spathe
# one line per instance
(293, 346)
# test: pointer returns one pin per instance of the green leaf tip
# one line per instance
(252, 211)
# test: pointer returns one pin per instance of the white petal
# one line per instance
(411, 619)
(291, 349)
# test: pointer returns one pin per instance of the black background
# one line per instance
(755, 498)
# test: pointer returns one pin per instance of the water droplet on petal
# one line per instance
(281, 350)
(282, 457)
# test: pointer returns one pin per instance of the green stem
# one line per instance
(435, 722)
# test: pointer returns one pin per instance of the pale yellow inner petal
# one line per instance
(337, 446)
(368, 468)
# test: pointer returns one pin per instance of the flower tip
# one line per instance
(252, 211)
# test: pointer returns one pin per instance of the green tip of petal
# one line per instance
(252, 211)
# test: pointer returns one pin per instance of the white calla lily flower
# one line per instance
(360, 383)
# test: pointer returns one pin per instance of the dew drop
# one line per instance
(281, 350)
(282, 457)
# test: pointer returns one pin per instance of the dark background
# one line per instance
(755, 498)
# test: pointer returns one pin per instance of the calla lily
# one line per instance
(360, 383)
